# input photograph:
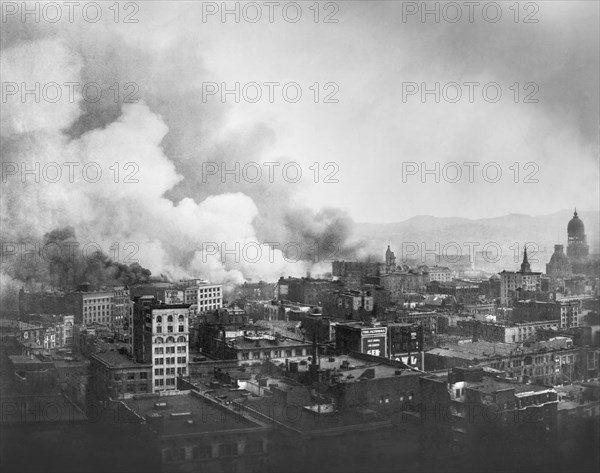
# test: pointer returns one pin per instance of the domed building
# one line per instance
(577, 250)
(559, 268)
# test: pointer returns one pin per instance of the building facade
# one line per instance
(161, 337)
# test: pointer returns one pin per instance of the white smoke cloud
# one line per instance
(131, 174)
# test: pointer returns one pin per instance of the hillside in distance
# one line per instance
(508, 232)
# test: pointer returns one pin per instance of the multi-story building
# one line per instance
(371, 339)
(577, 249)
(559, 267)
(109, 306)
(350, 304)
(428, 319)
(536, 362)
(207, 297)
(195, 432)
(355, 273)
(519, 411)
(565, 311)
(399, 283)
(123, 306)
(503, 332)
(514, 283)
(440, 273)
(115, 375)
(160, 337)
(306, 290)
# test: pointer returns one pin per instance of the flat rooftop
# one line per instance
(188, 413)
(117, 360)
(492, 385)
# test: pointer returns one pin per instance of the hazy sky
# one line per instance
(371, 132)
(520, 97)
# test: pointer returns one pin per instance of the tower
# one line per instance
(559, 268)
(390, 260)
(577, 250)
(525, 267)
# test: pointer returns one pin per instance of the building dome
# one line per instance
(575, 227)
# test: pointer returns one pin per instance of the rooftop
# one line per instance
(188, 412)
(115, 359)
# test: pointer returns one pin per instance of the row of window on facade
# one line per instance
(98, 301)
(131, 376)
(181, 329)
(164, 382)
(159, 319)
(161, 350)
(169, 371)
(180, 339)
(257, 355)
(170, 360)
(198, 452)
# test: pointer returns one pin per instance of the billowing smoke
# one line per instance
(127, 177)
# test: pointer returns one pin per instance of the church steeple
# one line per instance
(525, 267)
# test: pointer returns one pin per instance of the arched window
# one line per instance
(158, 319)
(170, 318)
(170, 340)
(180, 339)
(180, 318)
(159, 340)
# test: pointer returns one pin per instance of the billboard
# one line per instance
(374, 341)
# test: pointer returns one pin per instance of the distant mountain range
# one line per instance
(510, 232)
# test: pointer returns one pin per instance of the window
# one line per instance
(170, 340)
(159, 382)
(180, 319)
(158, 350)
(143, 375)
(131, 376)
(202, 451)
(159, 361)
(181, 328)
(159, 329)
(170, 318)
(227, 449)
(170, 329)
(159, 340)
(158, 371)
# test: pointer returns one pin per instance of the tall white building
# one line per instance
(203, 295)
(161, 337)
